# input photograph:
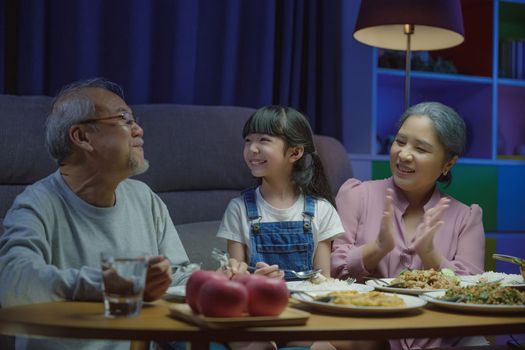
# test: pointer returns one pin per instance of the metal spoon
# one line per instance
(509, 258)
(304, 274)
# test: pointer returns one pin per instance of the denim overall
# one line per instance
(288, 244)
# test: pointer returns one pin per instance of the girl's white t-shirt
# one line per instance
(235, 226)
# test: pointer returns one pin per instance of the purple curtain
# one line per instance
(210, 52)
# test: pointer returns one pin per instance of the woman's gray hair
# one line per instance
(70, 107)
(449, 126)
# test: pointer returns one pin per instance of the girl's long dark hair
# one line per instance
(291, 126)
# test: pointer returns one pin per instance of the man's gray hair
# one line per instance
(449, 126)
(70, 107)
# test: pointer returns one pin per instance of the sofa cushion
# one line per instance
(199, 239)
(335, 161)
(194, 147)
(22, 139)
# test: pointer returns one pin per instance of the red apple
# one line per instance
(222, 298)
(267, 296)
(195, 282)
(244, 278)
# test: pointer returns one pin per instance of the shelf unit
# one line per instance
(493, 107)
(490, 172)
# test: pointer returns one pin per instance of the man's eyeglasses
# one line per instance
(127, 117)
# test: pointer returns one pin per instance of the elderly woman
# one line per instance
(405, 221)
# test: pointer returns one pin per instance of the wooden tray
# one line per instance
(289, 317)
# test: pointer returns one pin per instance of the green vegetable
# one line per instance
(403, 271)
(448, 272)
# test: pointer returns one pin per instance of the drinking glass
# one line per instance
(123, 281)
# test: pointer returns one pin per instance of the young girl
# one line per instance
(289, 220)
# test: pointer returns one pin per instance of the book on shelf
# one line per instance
(512, 59)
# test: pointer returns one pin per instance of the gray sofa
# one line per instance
(195, 155)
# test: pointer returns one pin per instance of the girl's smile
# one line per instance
(265, 155)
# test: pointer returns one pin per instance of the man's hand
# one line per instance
(116, 284)
(158, 278)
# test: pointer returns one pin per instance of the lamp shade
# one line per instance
(438, 24)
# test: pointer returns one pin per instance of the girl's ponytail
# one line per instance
(310, 177)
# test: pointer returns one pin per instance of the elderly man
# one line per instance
(57, 228)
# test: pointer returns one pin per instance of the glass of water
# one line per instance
(123, 281)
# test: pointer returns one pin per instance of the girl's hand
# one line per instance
(385, 241)
(272, 271)
(238, 267)
(425, 232)
(234, 267)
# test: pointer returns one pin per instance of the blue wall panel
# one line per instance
(511, 198)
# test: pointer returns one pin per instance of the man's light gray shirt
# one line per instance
(52, 240)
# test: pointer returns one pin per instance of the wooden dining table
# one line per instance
(70, 319)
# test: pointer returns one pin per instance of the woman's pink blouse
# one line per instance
(461, 239)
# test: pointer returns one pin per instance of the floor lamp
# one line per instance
(410, 25)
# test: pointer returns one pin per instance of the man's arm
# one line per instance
(27, 270)
(170, 245)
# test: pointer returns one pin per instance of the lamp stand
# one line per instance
(408, 30)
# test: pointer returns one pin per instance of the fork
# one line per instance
(323, 299)
(221, 256)
(186, 266)
(378, 280)
(350, 281)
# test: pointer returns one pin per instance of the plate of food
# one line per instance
(505, 280)
(354, 302)
(416, 282)
(327, 285)
(175, 293)
(482, 297)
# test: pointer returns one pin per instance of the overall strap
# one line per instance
(251, 205)
(309, 212)
(309, 206)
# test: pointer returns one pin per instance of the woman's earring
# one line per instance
(445, 173)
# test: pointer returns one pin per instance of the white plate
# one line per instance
(411, 303)
(175, 293)
(514, 284)
(415, 291)
(431, 298)
(506, 280)
(305, 286)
